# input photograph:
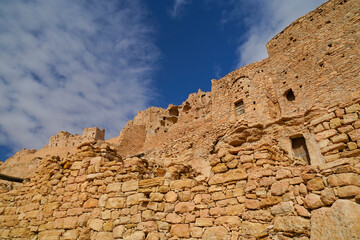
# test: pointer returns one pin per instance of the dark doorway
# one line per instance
(300, 149)
(290, 95)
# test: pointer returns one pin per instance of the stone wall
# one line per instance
(252, 194)
(288, 167)
(65, 139)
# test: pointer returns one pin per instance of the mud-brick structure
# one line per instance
(271, 152)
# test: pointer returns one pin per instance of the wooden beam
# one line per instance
(11, 178)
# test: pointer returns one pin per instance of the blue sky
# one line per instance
(67, 65)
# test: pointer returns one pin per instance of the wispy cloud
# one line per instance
(178, 7)
(66, 65)
(263, 20)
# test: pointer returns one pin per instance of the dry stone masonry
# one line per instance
(271, 152)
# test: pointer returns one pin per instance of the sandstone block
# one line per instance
(138, 235)
(246, 158)
(104, 235)
(135, 199)
(335, 122)
(321, 119)
(150, 226)
(260, 215)
(348, 191)
(336, 146)
(315, 184)
(232, 164)
(71, 234)
(49, 235)
(293, 224)
(115, 203)
(283, 173)
(18, 232)
(228, 158)
(267, 181)
(196, 232)
(215, 233)
(90, 203)
(95, 160)
(113, 187)
(328, 196)
(129, 186)
(284, 208)
(325, 134)
(156, 197)
(354, 135)
(339, 112)
(319, 128)
(218, 196)
(180, 230)
(173, 218)
(230, 221)
(313, 201)
(153, 182)
(252, 204)
(182, 184)
(324, 143)
(222, 152)
(340, 138)
(302, 211)
(345, 129)
(231, 175)
(344, 179)
(217, 211)
(296, 180)
(350, 118)
(153, 236)
(76, 165)
(348, 154)
(341, 221)
(71, 187)
(279, 188)
(253, 229)
(262, 155)
(352, 145)
(183, 207)
(269, 201)
(49, 207)
(235, 210)
(219, 168)
(357, 124)
(353, 108)
(74, 211)
(96, 224)
(204, 222)
(171, 196)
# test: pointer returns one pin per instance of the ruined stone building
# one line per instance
(271, 152)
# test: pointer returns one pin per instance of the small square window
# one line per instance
(240, 107)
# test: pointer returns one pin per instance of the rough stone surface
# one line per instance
(340, 221)
(230, 163)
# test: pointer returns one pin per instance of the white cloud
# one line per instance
(66, 65)
(178, 8)
(264, 19)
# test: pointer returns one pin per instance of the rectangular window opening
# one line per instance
(300, 150)
(240, 107)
